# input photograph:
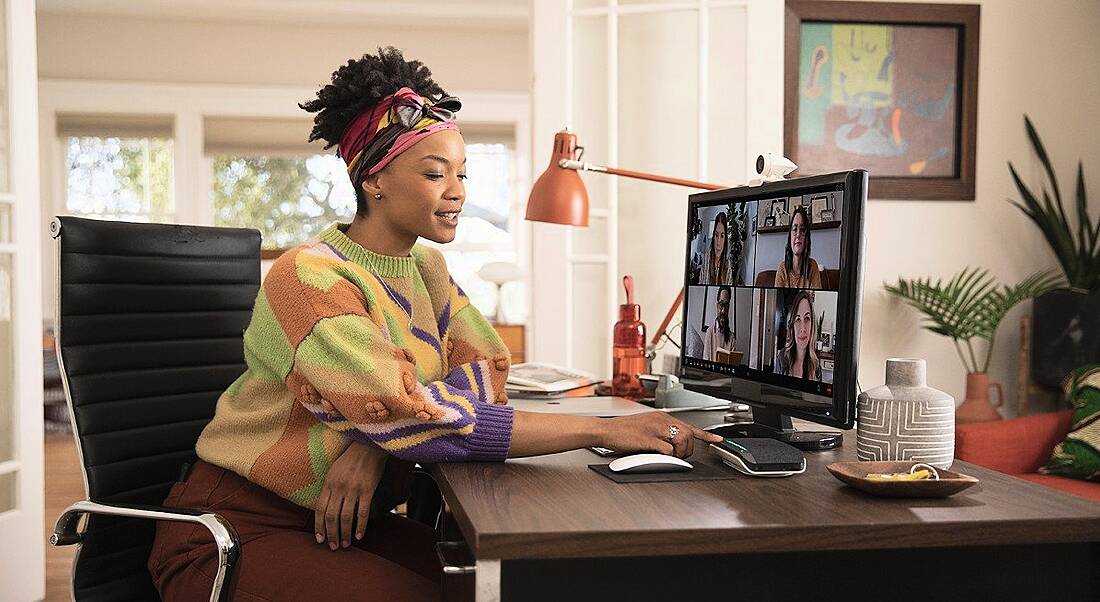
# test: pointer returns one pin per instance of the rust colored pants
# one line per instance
(280, 559)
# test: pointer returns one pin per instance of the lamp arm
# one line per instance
(668, 318)
(639, 175)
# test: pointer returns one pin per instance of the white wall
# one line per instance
(1035, 57)
(268, 53)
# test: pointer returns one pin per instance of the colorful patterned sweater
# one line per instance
(349, 345)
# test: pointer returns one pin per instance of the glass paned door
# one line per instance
(22, 543)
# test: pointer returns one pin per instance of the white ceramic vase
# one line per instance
(905, 419)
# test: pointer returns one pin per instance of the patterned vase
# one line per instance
(905, 419)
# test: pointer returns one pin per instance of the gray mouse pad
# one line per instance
(700, 472)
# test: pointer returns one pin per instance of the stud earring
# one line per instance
(378, 196)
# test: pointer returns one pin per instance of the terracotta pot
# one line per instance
(977, 406)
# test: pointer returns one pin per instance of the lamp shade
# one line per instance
(559, 196)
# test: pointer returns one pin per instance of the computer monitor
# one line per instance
(773, 283)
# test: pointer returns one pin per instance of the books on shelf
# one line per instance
(545, 379)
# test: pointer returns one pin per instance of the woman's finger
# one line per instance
(677, 440)
(702, 435)
(363, 515)
(319, 515)
(332, 518)
(689, 443)
(347, 517)
(681, 442)
(666, 448)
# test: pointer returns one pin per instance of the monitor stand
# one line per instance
(774, 425)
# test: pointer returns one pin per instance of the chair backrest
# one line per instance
(149, 334)
(765, 278)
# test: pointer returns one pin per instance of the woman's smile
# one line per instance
(449, 217)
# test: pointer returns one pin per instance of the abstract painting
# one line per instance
(871, 90)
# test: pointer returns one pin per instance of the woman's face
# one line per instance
(798, 234)
(719, 239)
(803, 325)
(422, 188)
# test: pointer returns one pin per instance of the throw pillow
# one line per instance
(1078, 456)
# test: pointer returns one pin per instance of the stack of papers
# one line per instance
(534, 379)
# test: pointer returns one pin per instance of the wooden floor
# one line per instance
(64, 485)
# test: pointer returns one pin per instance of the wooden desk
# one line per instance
(549, 528)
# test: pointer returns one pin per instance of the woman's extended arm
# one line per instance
(535, 434)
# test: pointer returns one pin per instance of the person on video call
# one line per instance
(718, 261)
(798, 269)
(719, 335)
(799, 357)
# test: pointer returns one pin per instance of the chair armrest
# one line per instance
(66, 532)
(1015, 446)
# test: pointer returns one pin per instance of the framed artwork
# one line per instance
(818, 205)
(887, 87)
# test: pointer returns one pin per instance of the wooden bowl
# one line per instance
(855, 474)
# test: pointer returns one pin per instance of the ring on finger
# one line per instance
(673, 430)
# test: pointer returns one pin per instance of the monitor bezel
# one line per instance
(849, 292)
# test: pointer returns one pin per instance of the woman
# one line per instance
(798, 269)
(799, 358)
(363, 357)
(718, 261)
(719, 335)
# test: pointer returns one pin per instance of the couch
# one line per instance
(1019, 447)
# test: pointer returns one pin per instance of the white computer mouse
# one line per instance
(648, 463)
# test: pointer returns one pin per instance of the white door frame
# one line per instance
(22, 559)
(552, 43)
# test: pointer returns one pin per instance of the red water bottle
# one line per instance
(628, 350)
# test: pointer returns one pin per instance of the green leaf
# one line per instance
(1040, 150)
(971, 304)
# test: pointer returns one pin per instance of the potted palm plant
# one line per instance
(1066, 320)
(967, 309)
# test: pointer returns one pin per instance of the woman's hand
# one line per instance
(347, 493)
(649, 431)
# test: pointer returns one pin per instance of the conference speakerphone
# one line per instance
(761, 457)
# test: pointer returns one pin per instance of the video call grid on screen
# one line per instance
(766, 308)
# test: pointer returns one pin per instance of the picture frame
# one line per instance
(907, 110)
(818, 205)
(827, 215)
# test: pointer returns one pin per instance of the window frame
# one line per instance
(122, 135)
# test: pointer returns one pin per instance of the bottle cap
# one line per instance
(630, 312)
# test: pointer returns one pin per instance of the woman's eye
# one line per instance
(433, 176)
(462, 176)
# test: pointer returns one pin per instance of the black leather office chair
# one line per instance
(149, 333)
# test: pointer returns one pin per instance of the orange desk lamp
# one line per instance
(559, 196)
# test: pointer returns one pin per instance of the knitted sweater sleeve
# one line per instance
(352, 378)
(470, 337)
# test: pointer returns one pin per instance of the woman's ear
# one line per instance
(372, 186)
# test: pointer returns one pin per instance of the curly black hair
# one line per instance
(360, 84)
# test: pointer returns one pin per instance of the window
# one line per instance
(487, 230)
(288, 199)
(120, 178)
(118, 167)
